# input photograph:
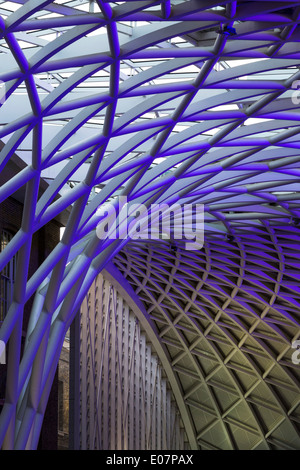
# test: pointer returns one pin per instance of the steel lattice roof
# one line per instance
(167, 102)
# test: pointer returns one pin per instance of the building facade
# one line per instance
(126, 402)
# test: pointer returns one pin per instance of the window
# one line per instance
(7, 277)
(60, 405)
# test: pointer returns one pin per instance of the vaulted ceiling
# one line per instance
(226, 317)
(165, 101)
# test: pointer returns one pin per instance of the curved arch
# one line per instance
(169, 123)
(126, 291)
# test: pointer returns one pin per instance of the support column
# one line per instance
(74, 394)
